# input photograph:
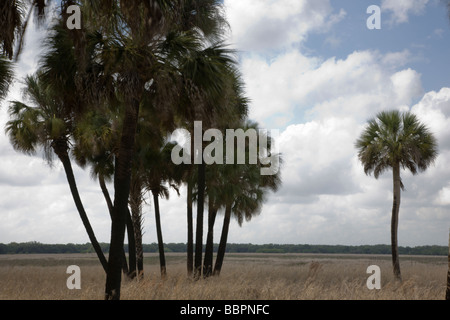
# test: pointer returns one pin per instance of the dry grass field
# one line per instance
(244, 276)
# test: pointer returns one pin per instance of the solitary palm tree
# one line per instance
(395, 140)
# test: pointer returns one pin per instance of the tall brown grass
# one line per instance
(256, 277)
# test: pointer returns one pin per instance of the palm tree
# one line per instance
(244, 191)
(95, 139)
(49, 125)
(159, 173)
(151, 165)
(210, 77)
(395, 140)
(232, 112)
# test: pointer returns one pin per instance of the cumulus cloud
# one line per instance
(316, 157)
(274, 25)
(358, 86)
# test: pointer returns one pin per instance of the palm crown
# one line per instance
(394, 138)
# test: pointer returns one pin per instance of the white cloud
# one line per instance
(274, 25)
(406, 85)
(396, 59)
(434, 110)
(443, 197)
(316, 157)
(402, 9)
(358, 86)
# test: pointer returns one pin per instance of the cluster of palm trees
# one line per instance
(109, 94)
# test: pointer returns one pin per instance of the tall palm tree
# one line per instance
(95, 139)
(244, 191)
(160, 173)
(151, 165)
(236, 112)
(49, 125)
(395, 140)
(209, 74)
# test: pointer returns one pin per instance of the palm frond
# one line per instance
(6, 76)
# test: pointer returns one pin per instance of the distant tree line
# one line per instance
(37, 247)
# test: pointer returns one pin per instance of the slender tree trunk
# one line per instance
(394, 222)
(126, 270)
(190, 232)
(132, 256)
(162, 258)
(102, 183)
(199, 229)
(223, 241)
(447, 293)
(122, 190)
(136, 218)
(209, 249)
(64, 157)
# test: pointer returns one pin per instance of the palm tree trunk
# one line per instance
(136, 221)
(190, 232)
(126, 270)
(162, 258)
(394, 221)
(199, 229)
(207, 264)
(223, 241)
(64, 157)
(122, 190)
(132, 256)
(102, 183)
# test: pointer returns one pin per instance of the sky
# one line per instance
(313, 70)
